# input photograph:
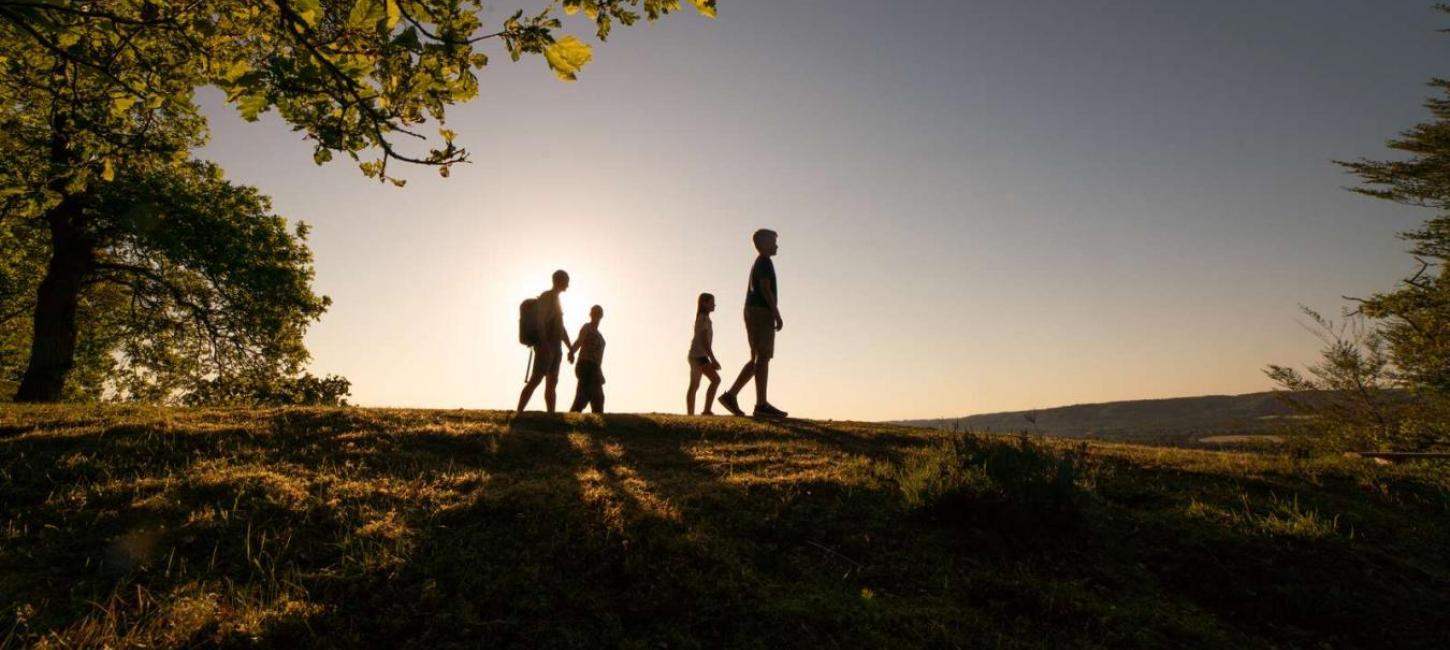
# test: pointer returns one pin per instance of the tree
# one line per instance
(1352, 392)
(1416, 315)
(1411, 324)
(353, 75)
(191, 286)
(89, 89)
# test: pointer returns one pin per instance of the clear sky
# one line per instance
(982, 206)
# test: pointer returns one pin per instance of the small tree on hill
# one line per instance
(189, 288)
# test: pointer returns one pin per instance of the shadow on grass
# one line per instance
(444, 529)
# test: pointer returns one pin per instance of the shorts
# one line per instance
(699, 362)
(546, 362)
(589, 373)
(760, 330)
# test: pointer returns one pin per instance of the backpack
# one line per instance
(529, 322)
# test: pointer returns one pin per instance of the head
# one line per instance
(765, 241)
(596, 313)
(705, 304)
(561, 280)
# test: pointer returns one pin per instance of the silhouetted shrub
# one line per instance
(1357, 396)
(303, 390)
(992, 482)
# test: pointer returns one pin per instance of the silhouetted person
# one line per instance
(762, 321)
(702, 355)
(590, 346)
(549, 352)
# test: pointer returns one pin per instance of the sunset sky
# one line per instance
(982, 206)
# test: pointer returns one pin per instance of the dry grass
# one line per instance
(143, 527)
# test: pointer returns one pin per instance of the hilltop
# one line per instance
(1179, 420)
(344, 527)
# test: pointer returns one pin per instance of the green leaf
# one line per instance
(705, 7)
(251, 106)
(365, 14)
(394, 14)
(567, 56)
(237, 69)
(122, 103)
(108, 172)
(321, 155)
(408, 39)
(309, 10)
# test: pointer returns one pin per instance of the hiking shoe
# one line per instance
(768, 411)
(728, 401)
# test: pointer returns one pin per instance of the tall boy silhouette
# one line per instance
(762, 321)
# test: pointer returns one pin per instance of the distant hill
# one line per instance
(1175, 420)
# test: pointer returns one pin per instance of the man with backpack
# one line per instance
(541, 327)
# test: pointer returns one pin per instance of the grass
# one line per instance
(152, 527)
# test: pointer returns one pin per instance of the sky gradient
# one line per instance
(982, 206)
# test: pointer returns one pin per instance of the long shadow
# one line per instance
(759, 548)
(571, 531)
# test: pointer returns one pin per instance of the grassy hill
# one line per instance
(347, 527)
(1181, 420)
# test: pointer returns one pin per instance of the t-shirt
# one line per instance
(704, 337)
(591, 343)
(551, 318)
(762, 274)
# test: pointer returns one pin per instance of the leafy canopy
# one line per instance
(193, 286)
(354, 76)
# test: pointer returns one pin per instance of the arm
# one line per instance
(769, 295)
(577, 343)
(560, 330)
(767, 292)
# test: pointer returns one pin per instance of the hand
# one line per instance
(779, 324)
(571, 356)
(714, 365)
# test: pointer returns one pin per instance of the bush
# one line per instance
(1356, 396)
(985, 481)
(303, 390)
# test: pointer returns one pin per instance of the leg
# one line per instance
(528, 391)
(596, 401)
(746, 374)
(709, 392)
(581, 397)
(762, 377)
(551, 381)
(694, 386)
(536, 375)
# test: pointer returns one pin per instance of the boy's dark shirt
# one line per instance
(762, 272)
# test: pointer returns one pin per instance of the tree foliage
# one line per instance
(192, 286)
(1352, 392)
(1408, 345)
(352, 75)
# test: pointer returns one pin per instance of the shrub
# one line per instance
(985, 481)
(1356, 396)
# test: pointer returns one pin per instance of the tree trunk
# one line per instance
(53, 343)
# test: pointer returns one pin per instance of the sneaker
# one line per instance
(728, 401)
(768, 411)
